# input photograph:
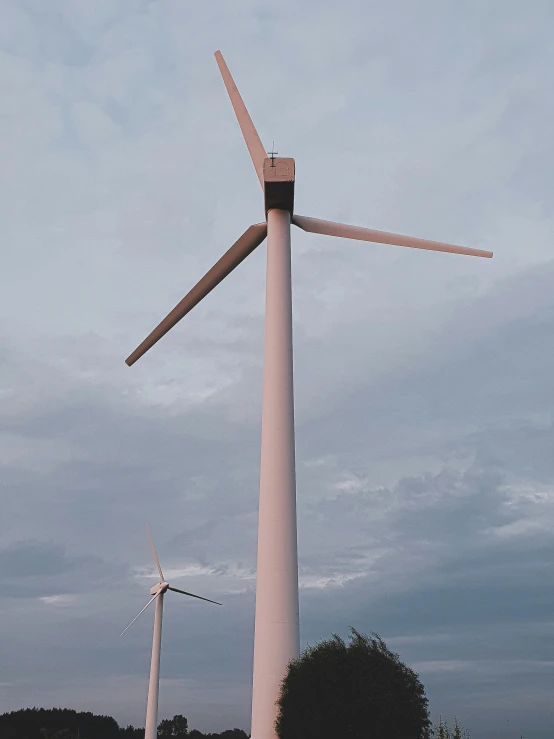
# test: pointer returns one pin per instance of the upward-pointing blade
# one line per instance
(158, 565)
(192, 595)
(330, 228)
(255, 146)
(244, 246)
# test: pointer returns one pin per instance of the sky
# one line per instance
(423, 381)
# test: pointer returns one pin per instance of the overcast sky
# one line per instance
(424, 382)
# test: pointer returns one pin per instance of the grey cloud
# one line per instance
(39, 569)
(24, 559)
(468, 377)
(426, 532)
(422, 382)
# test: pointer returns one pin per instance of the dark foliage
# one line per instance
(353, 691)
(63, 723)
(173, 728)
(443, 731)
(177, 728)
(228, 734)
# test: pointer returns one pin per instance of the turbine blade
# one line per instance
(145, 607)
(158, 565)
(244, 246)
(192, 595)
(330, 228)
(255, 146)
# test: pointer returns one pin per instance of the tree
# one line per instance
(351, 691)
(444, 732)
(174, 728)
(63, 734)
(227, 734)
(41, 723)
(131, 733)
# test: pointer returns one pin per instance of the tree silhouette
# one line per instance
(352, 691)
(62, 723)
(63, 734)
(443, 731)
(173, 728)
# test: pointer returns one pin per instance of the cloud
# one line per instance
(59, 601)
(35, 558)
(424, 425)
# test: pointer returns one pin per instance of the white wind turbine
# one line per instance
(157, 592)
(276, 636)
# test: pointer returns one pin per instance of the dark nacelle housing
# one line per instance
(279, 184)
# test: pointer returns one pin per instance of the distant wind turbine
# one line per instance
(158, 592)
(276, 636)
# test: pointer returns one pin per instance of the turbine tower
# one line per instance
(158, 592)
(276, 636)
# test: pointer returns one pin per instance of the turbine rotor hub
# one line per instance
(161, 587)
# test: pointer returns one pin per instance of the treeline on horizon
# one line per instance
(65, 723)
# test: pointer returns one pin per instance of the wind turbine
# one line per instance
(157, 593)
(276, 637)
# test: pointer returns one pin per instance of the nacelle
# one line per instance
(279, 183)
